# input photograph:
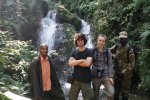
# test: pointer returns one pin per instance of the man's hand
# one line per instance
(123, 71)
(111, 80)
(38, 98)
(74, 62)
(113, 56)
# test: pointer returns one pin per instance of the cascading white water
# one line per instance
(48, 28)
(47, 36)
(86, 30)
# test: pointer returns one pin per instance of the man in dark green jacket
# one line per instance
(43, 78)
(125, 58)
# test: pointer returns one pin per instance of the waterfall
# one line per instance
(48, 28)
(86, 30)
(51, 33)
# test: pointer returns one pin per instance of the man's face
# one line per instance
(123, 41)
(80, 42)
(44, 50)
(101, 41)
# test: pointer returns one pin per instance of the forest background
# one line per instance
(20, 21)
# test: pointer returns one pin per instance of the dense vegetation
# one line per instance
(105, 16)
(112, 16)
(15, 58)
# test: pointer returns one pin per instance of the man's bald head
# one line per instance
(43, 50)
(43, 45)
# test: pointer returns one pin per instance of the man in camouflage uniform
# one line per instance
(125, 62)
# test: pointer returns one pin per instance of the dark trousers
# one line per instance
(122, 87)
(96, 82)
(85, 88)
(53, 94)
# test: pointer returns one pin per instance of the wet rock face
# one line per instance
(60, 39)
(60, 59)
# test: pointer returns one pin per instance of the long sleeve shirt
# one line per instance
(103, 60)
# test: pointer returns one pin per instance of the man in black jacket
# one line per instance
(43, 78)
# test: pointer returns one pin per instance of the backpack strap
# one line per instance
(128, 51)
(95, 54)
(107, 55)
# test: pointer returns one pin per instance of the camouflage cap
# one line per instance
(123, 34)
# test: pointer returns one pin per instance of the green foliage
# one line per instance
(145, 69)
(2, 97)
(69, 30)
(144, 65)
(6, 23)
(15, 58)
(106, 16)
(112, 16)
(146, 38)
(82, 8)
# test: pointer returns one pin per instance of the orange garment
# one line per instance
(45, 74)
